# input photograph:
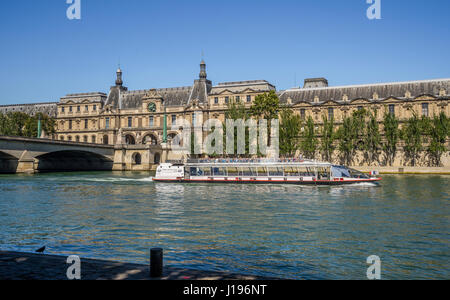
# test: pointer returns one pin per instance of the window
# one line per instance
(425, 111)
(174, 119)
(130, 122)
(330, 113)
(86, 124)
(95, 107)
(86, 108)
(194, 119)
(62, 109)
(216, 100)
(227, 99)
(61, 138)
(78, 108)
(392, 109)
(93, 139)
(85, 139)
(303, 114)
(69, 138)
(360, 108)
(77, 139)
(70, 124)
(151, 121)
(238, 99)
(249, 99)
(107, 123)
(70, 109)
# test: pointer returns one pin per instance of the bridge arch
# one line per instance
(72, 160)
(8, 163)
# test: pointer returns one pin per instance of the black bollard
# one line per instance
(156, 262)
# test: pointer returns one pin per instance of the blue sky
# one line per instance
(44, 56)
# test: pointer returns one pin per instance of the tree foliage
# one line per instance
(372, 137)
(309, 141)
(290, 126)
(412, 135)
(328, 138)
(23, 125)
(438, 129)
(391, 137)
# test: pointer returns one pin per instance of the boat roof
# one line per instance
(258, 163)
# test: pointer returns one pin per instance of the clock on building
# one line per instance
(152, 107)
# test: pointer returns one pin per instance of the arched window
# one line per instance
(157, 159)
(105, 140)
(94, 139)
(129, 140)
(77, 139)
(137, 159)
(85, 138)
(150, 140)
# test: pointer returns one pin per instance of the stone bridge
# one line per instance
(31, 155)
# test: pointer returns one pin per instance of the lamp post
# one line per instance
(39, 128)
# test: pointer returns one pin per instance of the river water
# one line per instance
(282, 231)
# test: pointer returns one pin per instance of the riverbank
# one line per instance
(28, 266)
(406, 170)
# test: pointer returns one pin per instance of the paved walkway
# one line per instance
(26, 266)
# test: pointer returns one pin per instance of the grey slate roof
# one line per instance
(241, 86)
(172, 97)
(383, 90)
(49, 108)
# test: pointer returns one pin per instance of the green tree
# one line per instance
(349, 135)
(372, 138)
(290, 126)
(391, 137)
(31, 125)
(412, 135)
(266, 106)
(309, 142)
(438, 130)
(236, 110)
(328, 137)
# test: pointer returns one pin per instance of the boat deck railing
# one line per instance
(249, 161)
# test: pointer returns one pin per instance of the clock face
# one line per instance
(152, 107)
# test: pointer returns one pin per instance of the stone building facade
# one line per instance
(136, 118)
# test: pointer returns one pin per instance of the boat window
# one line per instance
(274, 171)
(219, 171)
(206, 171)
(233, 171)
(323, 173)
(196, 171)
(340, 172)
(247, 171)
(357, 174)
(291, 171)
(306, 172)
(262, 171)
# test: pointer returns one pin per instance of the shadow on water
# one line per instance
(281, 231)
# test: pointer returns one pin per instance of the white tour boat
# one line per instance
(257, 171)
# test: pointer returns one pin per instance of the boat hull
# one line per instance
(291, 182)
